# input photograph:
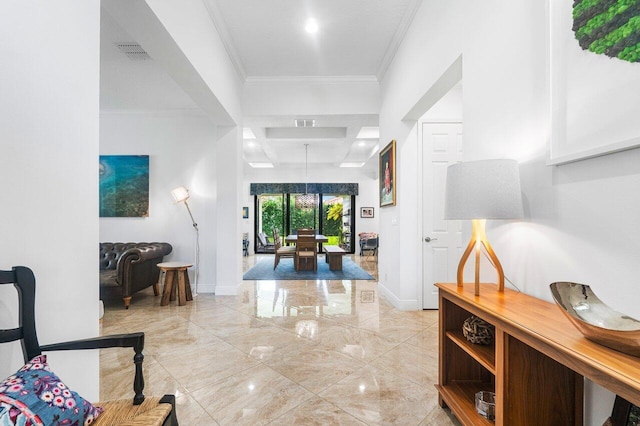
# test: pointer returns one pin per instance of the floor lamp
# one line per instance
(181, 195)
(481, 190)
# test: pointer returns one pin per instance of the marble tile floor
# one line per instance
(282, 353)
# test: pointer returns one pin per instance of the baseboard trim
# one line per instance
(224, 290)
(402, 305)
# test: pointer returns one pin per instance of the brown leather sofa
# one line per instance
(129, 267)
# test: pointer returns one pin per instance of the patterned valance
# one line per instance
(299, 188)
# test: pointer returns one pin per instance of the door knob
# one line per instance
(429, 239)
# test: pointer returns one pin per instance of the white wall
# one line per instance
(581, 220)
(48, 179)
(182, 152)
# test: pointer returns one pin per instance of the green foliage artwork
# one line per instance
(610, 27)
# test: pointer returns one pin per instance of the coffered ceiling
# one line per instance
(266, 39)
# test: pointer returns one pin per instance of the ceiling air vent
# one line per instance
(134, 51)
(304, 123)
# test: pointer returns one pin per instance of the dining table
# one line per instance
(293, 238)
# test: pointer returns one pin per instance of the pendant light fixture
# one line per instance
(306, 201)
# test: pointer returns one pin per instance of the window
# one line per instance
(333, 219)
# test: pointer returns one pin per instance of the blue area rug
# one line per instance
(285, 271)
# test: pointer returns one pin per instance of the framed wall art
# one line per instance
(245, 212)
(387, 175)
(366, 212)
(124, 185)
(591, 94)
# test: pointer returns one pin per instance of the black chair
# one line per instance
(371, 245)
(152, 411)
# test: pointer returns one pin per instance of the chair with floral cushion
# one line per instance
(35, 395)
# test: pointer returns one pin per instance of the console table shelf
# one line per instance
(535, 366)
(485, 355)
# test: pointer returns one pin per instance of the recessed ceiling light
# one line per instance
(311, 26)
(247, 133)
(369, 133)
(361, 143)
(261, 165)
(351, 164)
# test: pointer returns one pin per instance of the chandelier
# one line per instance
(306, 201)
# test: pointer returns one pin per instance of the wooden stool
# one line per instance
(175, 279)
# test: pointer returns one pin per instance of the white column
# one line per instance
(49, 116)
(228, 211)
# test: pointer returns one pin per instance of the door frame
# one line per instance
(422, 201)
(452, 76)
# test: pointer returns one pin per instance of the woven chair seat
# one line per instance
(124, 413)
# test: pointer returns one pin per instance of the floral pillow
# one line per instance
(35, 396)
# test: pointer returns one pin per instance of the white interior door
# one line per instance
(441, 239)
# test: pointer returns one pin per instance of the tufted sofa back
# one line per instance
(110, 253)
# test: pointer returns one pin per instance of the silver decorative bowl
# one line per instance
(595, 320)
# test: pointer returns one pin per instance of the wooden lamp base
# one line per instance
(479, 240)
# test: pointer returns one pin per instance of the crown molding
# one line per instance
(398, 37)
(223, 32)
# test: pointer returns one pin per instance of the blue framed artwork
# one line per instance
(124, 186)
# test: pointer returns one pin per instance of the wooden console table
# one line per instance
(535, 365)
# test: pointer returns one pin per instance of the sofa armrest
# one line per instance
(141, 253)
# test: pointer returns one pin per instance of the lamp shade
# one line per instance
(180, 194)
(484, 189)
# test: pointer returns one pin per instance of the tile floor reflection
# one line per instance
(282, 353)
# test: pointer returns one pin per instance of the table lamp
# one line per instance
(481, 190)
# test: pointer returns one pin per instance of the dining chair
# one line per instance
(371, 245)
(280, 250)
(306, 231)
(26, 398)
(264, 245)
(306, 250)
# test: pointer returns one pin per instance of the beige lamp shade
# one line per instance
(484, 189)
(180, 194)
